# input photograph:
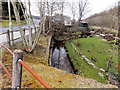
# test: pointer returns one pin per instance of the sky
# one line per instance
(95, 6)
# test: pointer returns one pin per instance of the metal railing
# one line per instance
(17, 69)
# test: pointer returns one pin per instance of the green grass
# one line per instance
(91, 27)
(93, 48)
(110, 30)
(5, 23)
(53, 76)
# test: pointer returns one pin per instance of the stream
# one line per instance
(60, 58)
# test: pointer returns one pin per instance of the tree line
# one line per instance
(107, 18)
(5, 14)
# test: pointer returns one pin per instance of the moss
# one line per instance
(54, 77)
(37, 57)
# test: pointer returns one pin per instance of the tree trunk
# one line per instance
(29, 20)
(19, 23)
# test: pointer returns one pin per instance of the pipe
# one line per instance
(7, 72)
(34, 74)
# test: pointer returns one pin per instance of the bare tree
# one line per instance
(28, 45)
(41, 7)
(107, 18)
(73, 9)
(62, 10)
(29, 20)
(51, 8)
(48, 9)
(41, 29)
(114, 18)
(25, 42)
(82, 8)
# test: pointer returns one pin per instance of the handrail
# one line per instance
(10, 32)
(16, 30)
(34, 74)
(8, 73)
(27, 67)
(11, 53)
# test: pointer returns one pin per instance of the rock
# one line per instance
(94, 59)
(101, 74)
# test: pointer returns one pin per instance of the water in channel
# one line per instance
(60, 58)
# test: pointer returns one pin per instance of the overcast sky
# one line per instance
(95, 6)
(101, 5)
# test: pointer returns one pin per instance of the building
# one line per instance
(58, 18)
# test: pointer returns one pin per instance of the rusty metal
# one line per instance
(34, 74)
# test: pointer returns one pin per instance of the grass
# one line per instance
(91, 27)
(5, 23)
(54, 77)
(107, 29)
(93, 48)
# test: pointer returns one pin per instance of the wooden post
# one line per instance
(24, 31)
(8, 38)
(31, 31)
(17, 69)
(12, 38)
(35, 30)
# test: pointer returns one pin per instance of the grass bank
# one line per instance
(5, 23)
(103, 28)
(98, 52)
(53, 76)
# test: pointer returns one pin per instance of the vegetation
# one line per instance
(96, 50)
(5, 13)
(5, 23)
(55, 77)
(110, 30)
(107, 18)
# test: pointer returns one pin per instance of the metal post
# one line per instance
(10, 23)
(17, 69)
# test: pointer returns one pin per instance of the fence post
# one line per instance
(12, 38)
(17, 69)
(8, 37)
(35, 30)
(24, 31)
(31, 30)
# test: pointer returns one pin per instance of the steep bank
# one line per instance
(98, 52)
(55, 77)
